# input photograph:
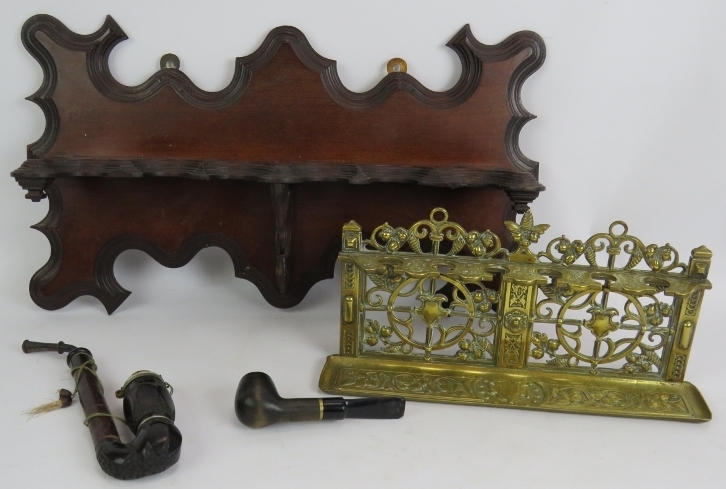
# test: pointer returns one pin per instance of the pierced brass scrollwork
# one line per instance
(602, 325)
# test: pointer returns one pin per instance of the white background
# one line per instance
(630, 100)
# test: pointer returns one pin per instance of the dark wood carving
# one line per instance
(270, 167)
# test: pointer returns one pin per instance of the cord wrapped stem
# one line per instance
(90, 393)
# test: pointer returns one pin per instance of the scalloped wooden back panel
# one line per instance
(270, 167)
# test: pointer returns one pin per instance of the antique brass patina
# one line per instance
(437, 313)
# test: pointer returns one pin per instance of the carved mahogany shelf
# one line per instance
(267, 168)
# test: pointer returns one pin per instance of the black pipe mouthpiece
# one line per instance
(257, 404)
(35, 346)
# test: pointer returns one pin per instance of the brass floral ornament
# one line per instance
(524, 234)
(602, 325)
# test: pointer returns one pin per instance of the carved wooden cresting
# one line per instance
(434, 312)
(268, 167)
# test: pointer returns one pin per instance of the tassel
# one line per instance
(65, 398)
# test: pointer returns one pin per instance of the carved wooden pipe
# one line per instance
(148, 410)
(257, 404)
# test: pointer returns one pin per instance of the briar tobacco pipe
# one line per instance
(257, 404)
(148, 412)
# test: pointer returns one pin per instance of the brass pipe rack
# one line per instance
(434, 312)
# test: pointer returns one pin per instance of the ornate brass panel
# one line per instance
(438, 313)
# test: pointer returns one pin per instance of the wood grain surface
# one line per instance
(268, 168)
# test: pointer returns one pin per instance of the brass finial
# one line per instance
(396, 65)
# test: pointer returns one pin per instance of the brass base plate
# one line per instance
(518, 388)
